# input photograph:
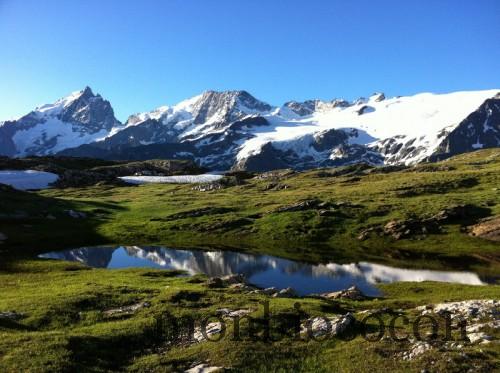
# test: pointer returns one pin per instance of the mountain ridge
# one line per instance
(235, 130)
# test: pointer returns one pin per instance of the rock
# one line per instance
(399, 229)
(454, 213)
(478, 337)
(270, 291)
(233, 279)
(215, 282)
(470, 309)
(76, 214)
(211, 329)
(10, 315)
(3, 237)
(226, 312)
(50, 217)
(275, 174)
(127, 310)
(416, 350)
(203, 368)
(242, 287)
(286, 293)
(365, 234)
(488, 229)
(352, 293)
(332, 326)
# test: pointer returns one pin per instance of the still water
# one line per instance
(261, 270)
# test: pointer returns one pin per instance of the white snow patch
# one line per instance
(29, 179)
(180, 179)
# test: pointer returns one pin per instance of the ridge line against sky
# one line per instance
(142, 55)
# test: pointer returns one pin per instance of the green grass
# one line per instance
(141, 215)
(64, 328)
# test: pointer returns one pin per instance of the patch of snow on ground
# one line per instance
(180, 179)
(29, 179)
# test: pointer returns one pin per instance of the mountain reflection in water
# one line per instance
(261, 270)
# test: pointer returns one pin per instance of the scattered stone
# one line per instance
(331, 326)
(10, 315)
(352, 293)
(208, 187)
(127, 310)
(286, 293)
(76, 214)
(416, 350)
(203, 368)
(488, 229)
(275, 174)
(469, 309)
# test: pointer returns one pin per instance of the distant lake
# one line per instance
(261, 270)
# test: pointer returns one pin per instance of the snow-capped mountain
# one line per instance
(232, 129)
(79, 118)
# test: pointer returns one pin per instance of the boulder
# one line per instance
(352, 293)
(3, 237)
(285, 293)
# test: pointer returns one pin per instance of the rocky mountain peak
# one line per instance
(215, 107)
(90, 110)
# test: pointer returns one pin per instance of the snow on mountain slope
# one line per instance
(79, 118)
(420, 118)
(233, 129)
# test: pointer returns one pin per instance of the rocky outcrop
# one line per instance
(488, 229)
(480, 130)
(399, 229)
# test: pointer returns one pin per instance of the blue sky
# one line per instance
(143, 54)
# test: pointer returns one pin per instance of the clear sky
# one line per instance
(144, 54)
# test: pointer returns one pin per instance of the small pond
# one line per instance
(261, 270)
